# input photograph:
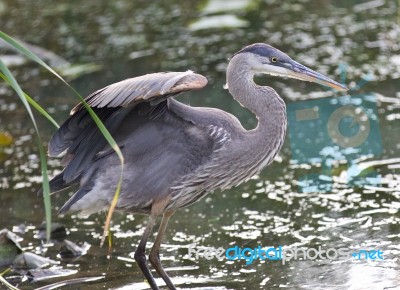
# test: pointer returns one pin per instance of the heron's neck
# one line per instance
(262, 144)
(263, 101)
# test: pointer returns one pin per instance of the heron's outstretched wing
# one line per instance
(148, 88)
(79, 136)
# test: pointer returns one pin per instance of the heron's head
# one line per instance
(263, 58)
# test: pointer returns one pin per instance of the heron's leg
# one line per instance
(154, 256)
(140, 254)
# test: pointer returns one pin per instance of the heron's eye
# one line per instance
(274, 59)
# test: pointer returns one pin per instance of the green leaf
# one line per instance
(34, 104)
(21, 48)
(9, 78)
(5, 282)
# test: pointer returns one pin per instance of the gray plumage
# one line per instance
(173, 153)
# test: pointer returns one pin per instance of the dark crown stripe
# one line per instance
(261, 49)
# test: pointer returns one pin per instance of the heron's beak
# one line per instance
(301, 72)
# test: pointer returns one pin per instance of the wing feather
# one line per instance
(144, 88)
(80, 139)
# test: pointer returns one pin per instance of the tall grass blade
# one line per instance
(21, 48)
(5, 282)
(111, 211)
(34, 104)
(9, 78)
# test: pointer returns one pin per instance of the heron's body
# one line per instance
(174, 154)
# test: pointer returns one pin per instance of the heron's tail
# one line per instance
(58, 183)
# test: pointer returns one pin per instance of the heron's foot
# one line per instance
(140, 258)
(154, 259)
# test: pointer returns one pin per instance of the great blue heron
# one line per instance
(174, 154)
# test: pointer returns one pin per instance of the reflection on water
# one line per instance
(129, 38)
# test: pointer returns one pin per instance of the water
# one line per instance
(351, 41)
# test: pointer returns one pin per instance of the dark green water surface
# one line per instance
(355, 42)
